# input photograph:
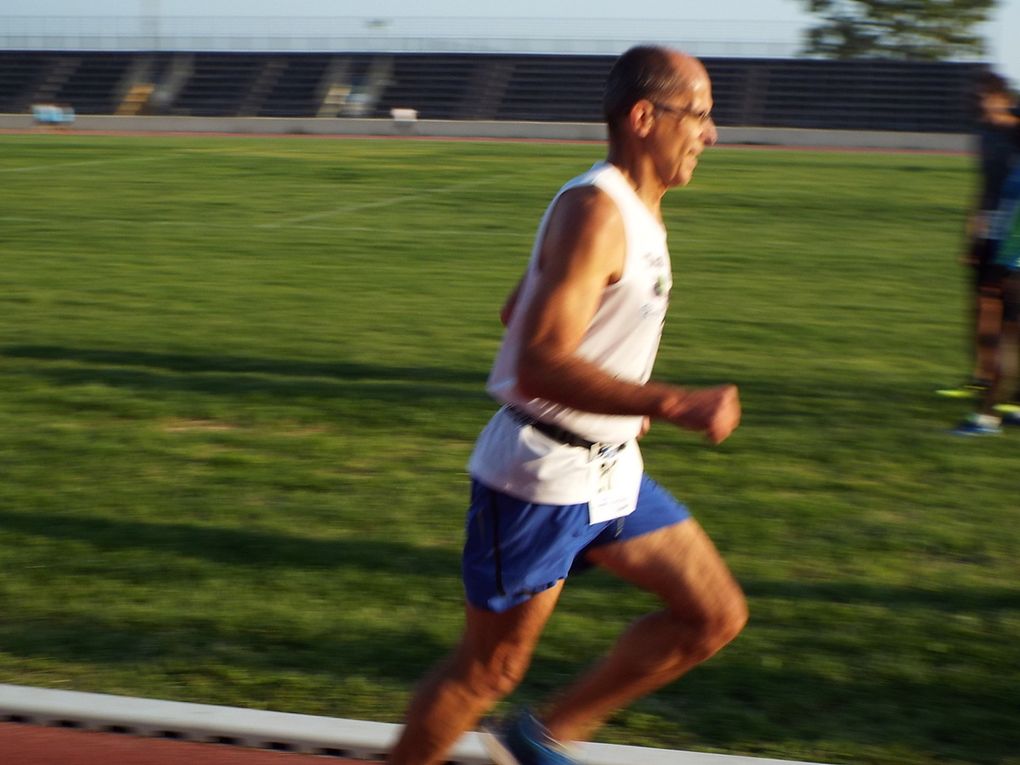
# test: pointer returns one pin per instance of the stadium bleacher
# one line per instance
(449, 80)
(298, 88)
(219, 84)
(20, 76)
(854, 95)
(570, 86)
(93, 85)
(799, 93)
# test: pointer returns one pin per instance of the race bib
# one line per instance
(614, 477)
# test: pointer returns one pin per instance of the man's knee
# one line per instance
(715, 626)
(732, 619)
(684, 639)
(704, 627)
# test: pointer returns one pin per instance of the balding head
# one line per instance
(648, 72)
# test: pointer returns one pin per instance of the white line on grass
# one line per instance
(236, 226)
(82, 163)
(78, 222)
(388, 202)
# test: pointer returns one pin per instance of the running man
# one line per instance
(557, 475)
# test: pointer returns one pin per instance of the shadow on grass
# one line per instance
(181, 362)
(236, 547)
(733, 700)
(340, 648)
(859, 717)
(951, 600)
(770, 399)
(233, 375)
(877, 702)
(343, 650)
(954, 600)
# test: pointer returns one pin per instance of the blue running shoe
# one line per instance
(979, 425)
(523, 740)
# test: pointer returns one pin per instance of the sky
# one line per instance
(747, 27)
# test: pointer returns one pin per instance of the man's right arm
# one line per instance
(582, 253)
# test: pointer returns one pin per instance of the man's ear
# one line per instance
(641, 117)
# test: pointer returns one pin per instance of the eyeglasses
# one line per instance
(700, 116)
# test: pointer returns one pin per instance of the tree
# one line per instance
(926, 30)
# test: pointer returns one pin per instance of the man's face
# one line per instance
(995, 107)
(683, 128)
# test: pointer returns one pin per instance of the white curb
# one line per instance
(356, 739)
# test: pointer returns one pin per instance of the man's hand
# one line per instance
(646, 425)
(712, 411)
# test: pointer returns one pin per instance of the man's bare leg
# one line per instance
(705, 610)
(490, 661)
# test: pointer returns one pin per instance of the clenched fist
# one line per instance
(713, 411)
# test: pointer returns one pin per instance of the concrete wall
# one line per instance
(555, 131)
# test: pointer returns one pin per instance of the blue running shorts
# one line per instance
(516, 549)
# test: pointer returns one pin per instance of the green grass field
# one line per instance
(240, 378)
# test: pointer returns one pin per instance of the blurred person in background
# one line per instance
(997, 153)
(995, 408)
(557, 477)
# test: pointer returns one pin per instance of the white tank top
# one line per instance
(622, 339)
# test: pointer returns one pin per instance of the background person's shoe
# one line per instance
(972, 389)
(523, 740)
(1011, 419)
(979, 425)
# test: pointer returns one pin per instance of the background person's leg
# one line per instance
(988, 328)
(1006, 377)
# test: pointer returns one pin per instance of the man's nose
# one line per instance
(710, 135)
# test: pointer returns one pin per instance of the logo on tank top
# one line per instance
(657, 307)
(655, 260)
(657, 264)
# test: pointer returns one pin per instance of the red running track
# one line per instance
(38, 745)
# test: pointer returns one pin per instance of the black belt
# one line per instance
(554, 432)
